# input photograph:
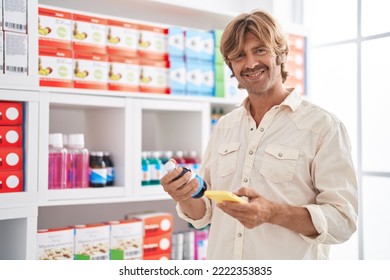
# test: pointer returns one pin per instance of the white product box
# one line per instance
(54, 28)
(126, 239)
(123, 73)
(55, 67)
(122, 38)
(92, 242)
(90, 70)
(153, 42)
(154, 76)
(55, 244)
(15, 16)
(15, 53)
(89, 33)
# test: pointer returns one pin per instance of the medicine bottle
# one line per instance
(78, 175)
(145, 169)
(202, 186)
(110, 169)
(98, 171)
(58, 157)
(155, 167)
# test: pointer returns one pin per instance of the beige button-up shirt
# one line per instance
(299, 155)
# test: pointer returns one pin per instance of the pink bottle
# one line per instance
(179, 158)
(58, 157)
(79, 165)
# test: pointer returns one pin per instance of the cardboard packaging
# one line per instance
(90, 70)
(11, 113)
(11, 181)
(154, 76)
(153, 42)
(91, 241)
(15, 16)
(15, 53)
(11, 159)
(11, 136)
(122, 38)
(155, 223)
(55, 244)
(55, 67)
(123, 73)
(157, 245)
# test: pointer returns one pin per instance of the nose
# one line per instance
(251, 61)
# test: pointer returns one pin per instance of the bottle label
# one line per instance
(146, 175)
(98, 176)
(110, 174)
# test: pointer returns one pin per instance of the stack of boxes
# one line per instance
(14, 38)
(11, 147)
(55, 244)
(295, 64)
(177, 66)
(158, 228)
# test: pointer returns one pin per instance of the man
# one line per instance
(288, 157)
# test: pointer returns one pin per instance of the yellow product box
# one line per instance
(154, 76)
(89, 33)
(55, 244)
(92, 241)
(55, 67)
(122, 38)
(15, 16)
(153, 42)
(126, 239)
(15, 53)
(90, 70)
(54, 28)
(155, 223)
(123, 73)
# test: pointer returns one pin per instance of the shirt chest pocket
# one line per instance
(279, 163)
(227, 158)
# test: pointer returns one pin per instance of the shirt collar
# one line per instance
(293, 100)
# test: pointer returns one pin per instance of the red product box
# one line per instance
(153, 42)
(55, 67)
(156, 223)
(122, 38)
(11, 181)
(157, 245)
(90, 70)
(11, 159)
(123, 73)
(11, 136)
(54, 28)
(11, 113)
(154, 76)
(158, 257)
(89, 33)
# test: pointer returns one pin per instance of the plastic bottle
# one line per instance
(192, 160)
(166, 156)
(155, 168)
(179, 158)
(146, 174)
(78, 175)
(170, 165)
(110, 169)
(98, 171)
(58, 157)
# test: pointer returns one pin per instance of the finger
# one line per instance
(249, 193)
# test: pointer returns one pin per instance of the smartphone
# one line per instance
(220, 196)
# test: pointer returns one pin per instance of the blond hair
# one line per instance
(261, 25)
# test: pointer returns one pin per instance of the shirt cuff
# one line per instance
(320, 223)
(200, 223)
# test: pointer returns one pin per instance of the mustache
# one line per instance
(257, 68)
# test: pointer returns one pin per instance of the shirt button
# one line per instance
(245, 180)
(251, 153)
(252, 129)
(240, 234)
(280, 154)
(261, 129)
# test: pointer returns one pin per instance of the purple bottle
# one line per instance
(79, 165)
(58, 157)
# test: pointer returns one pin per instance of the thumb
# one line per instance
(249, 193)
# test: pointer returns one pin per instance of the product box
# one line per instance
(207, 78)
(153, 42)
(193, 44)
(11, 159)
(15, 16)
(159, 257)
(123, 73)
(155, 223)
(177, 249)
(176, 43)
(157, 245)
(201, 241)
(90, 70)
(177, 76)
(11, 113)
(55, 244)
(194, 77)
(11, 181)
(122, 38)
(11, 136)
(91, 241)
(55, 67)
(231, 86)
(15, 53)
(54, 28)
(89, 33)
(154, 76)
(126, 239)
(207, 46)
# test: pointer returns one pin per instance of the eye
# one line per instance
(261, 51)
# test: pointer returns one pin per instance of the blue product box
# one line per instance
(193, 44)
(207, 46)
(176, 43)
(177, 74)
(193, 77)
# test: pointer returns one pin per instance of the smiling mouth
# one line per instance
(253, 74)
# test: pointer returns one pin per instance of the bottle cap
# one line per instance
(55, 140)
(76, 140)
(169, 166)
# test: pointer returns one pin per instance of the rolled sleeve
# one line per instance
(200, 223)
(320, 223)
